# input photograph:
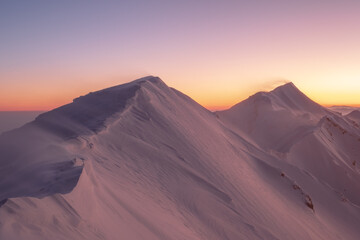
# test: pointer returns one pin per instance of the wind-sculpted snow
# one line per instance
(34, 158)
(89, 113)
(35, 163)
(144, 161)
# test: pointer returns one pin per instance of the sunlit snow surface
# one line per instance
(144, 161)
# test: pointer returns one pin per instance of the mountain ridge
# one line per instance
(92, 110)
(286, 96)
(160, 166)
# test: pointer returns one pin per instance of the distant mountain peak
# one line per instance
(288, 84)
(287, 87)
(292, 97)
(286, 97)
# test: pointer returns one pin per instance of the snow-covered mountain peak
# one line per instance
(44, 139)
(290, 97)
(290, 86)
(88, 114)
(144, 161)
(126, 89)
(283, 98)
(148, 80)
(273, 118)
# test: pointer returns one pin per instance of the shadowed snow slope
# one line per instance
(144, 161)
(355, 116)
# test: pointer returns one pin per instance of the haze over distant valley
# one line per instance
(15, 119)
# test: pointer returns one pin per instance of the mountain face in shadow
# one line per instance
(144, 161)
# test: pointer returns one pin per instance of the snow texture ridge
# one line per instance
(144, 161)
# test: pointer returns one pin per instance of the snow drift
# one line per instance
(144, 161)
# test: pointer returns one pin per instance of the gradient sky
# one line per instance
(217, 52)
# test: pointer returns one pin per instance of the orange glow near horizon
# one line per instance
(218, 52)
(33, 98)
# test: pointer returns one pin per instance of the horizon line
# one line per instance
(210, 108)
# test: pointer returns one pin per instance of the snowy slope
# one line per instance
(275, 119)
(355, 116)
(144, 161)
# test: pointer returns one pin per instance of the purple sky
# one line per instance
(218, 52)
